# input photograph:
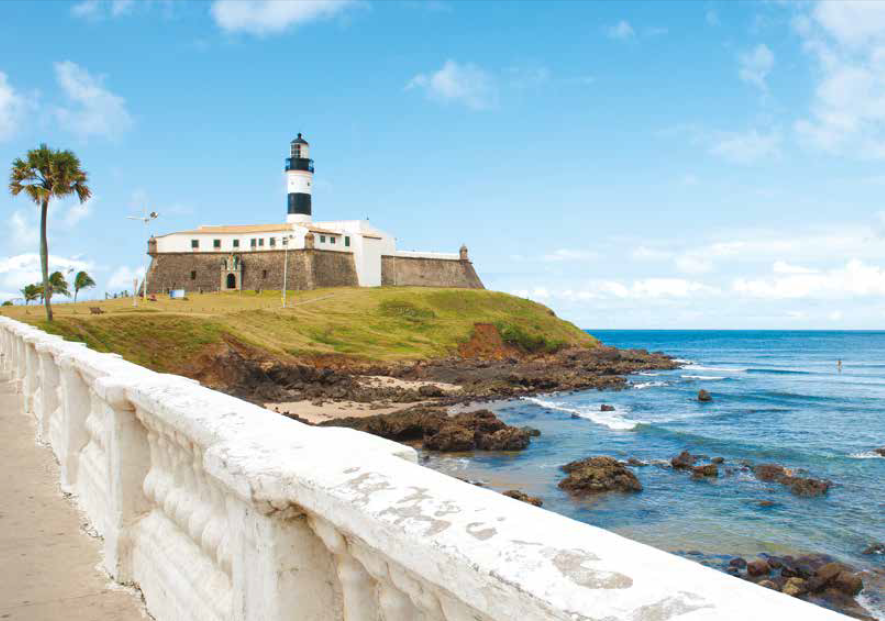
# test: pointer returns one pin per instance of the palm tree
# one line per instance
(82, 281)
(30, 293)
(45, 174)
(58, 284)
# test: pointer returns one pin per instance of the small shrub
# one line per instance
(529, 343)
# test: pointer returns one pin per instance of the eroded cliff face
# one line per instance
(485, 367)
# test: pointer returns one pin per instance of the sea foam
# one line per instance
(867, 455)
(612, 420)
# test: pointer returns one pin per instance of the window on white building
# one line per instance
(195, 244)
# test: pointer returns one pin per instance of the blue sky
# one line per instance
(632, 165)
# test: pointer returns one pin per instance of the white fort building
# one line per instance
(307, 254)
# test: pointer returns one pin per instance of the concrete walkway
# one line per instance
(49, 568)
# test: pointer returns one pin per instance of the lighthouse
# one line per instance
(299, 181)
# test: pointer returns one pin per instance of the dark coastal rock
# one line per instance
(466, 431)
(704, 396)
(806, 486)
(705, 472)
(509, 439)
(431, 391)
(738, 562)
(769, 472)
(636, 463)
(839, 577)
(533, 433)
(594, 475)
(875, 548)
(758, 567)
(767, 503)
(683, 461)
(801, 486)
(451, 437)
(880, 451)
(520, 495)
(768, 584)
(794, 587)
(718, 460)
(606, 408)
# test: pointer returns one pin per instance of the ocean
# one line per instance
(778, 397)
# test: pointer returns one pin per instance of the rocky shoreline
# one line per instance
(443, 382)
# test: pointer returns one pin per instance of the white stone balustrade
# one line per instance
(224, 511)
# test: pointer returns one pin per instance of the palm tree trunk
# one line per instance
(44, 259)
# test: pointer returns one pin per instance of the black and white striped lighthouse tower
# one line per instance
(299, 181)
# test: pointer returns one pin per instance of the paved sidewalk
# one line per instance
(49, 568)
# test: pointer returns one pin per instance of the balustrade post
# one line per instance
(129, 462)
(30, 377)
(69, 434)
(280, 569)
(50, 386)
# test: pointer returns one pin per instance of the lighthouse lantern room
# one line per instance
(299, 181)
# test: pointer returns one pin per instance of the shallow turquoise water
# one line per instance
(778, 397)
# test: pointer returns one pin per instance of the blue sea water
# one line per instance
(777, 397)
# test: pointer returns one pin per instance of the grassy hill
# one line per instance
(382, 324)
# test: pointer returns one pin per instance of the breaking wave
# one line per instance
(612, 420)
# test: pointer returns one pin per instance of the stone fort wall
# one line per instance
(307, 269)
(402, 271)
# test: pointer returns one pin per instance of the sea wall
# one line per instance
(402, 270)
(204, 271)
(220, 510)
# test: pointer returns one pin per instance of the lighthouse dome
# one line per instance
(300, 140)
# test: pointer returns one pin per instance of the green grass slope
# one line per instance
(383, 324)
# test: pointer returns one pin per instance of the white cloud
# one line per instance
(782, 267)
(24, 230)
(847, 39)
(466, 84)
(644, 253)
(124, 277)
(855, 279)
(748, 147)
(12, 108)
(640, 289)
(528, 76)
(266, 17)
(853, 23)
(622, 31)
(755, 65)
(24, 269)
(94, 111)
(565, 254)
(694, 264)
(78, 211)
(92, 9)
(835, 316)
